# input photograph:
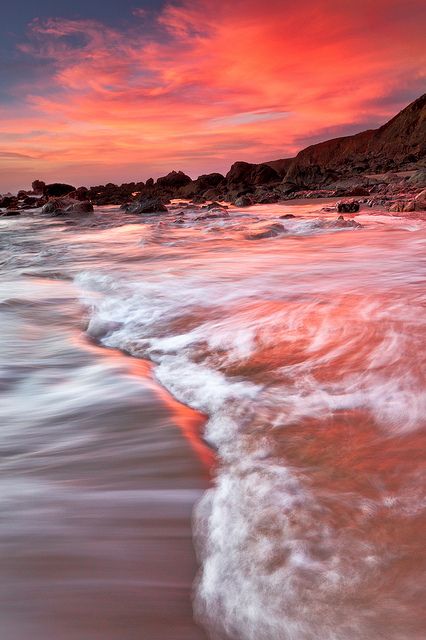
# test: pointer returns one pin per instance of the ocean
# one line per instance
(213, 428)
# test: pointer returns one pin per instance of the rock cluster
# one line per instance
(386, 167)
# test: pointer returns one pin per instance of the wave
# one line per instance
(283, 552)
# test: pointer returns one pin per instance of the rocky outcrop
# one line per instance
(396, 145)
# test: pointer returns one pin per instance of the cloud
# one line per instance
(209, 83)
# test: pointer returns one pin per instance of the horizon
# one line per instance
(98, 94)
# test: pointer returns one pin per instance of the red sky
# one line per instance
(199, 84)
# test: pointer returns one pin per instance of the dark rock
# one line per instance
(374, 151)
(38, 187)
(280, 166)
(420, 201)
(215, 213)
(287, 216)
(243, 201)
(11, 213)
(64, 206)
(8, 201)
(270, 232)
(147, 205)
(246, 174)
(57, 189)
(30, 202)
(418, 179)
(215, 205)
(82, 193)
(349, 206)
(173, 180)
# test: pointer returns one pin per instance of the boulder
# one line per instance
(82, 193)
(173, 180)
(11, 213)
(245, 174)
(270, 232)
(418, 179)
(420, 201)
(57, 189)
(38, 187)
(215, 205)
(146, 205)
(8, 201)
(63, 206)
(243, 201)
(339, 223)
(347, 206)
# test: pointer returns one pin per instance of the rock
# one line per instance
(270, 232)
(376, 151)
(409, 206)
(207, 185)
(287, 216)
(420, 201)
(38, 187)
(245, 174)
(63, 206)
(57, 189)
(8, 201)
(339, 223)
(347, 206)
(11, 213)
(173, 180)
(147, 205)
(80, 194)
(215, 205)
(214, 213)
(243, 201)
(418, 179)
(30, 202)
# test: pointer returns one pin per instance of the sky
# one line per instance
(96, 91)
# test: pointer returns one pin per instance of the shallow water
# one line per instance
(297, 359)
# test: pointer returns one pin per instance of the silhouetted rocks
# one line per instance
(383, 167)
(245, 174)
(57, 189)
(173, 180)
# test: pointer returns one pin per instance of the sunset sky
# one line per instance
(95, 91)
